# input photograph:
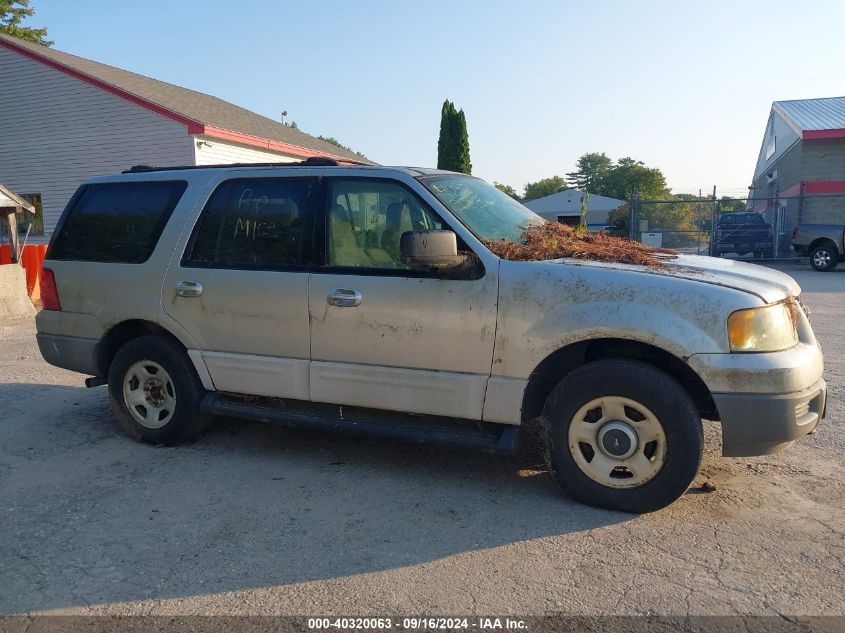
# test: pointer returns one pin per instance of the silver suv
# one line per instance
(365, 299)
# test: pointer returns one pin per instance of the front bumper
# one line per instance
(761, 424)
(743, 247)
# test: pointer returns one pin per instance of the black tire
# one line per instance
(824, 258)
(185, 421)
(651, 388)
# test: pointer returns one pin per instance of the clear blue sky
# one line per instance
(682, 86)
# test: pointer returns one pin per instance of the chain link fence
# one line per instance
(737, 228)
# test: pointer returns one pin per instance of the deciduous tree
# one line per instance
(12, 14)
(591, 171)
(544, 187)
(628, 173)
(506, 189)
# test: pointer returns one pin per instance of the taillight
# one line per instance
(49, 293)
(794, 232)
(771, 233)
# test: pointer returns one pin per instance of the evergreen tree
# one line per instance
(453, 143)
(12, 13)
(445, 143)
(464, 165)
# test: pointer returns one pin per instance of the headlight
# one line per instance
(767, 329)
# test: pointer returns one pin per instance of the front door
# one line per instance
(241, 286)
(387, 337)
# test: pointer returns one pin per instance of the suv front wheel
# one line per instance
(155, 391)
(622, 435)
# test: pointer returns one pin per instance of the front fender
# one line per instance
(545, 306)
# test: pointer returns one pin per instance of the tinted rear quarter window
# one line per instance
(116, 222)
(253, 223)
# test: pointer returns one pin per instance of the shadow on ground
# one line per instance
(89, 516)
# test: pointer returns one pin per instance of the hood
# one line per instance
(770, 285)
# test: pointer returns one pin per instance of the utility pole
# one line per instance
(633, 219)
(713, 223)
(699, 221)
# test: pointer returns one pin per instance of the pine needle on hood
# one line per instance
(553, 240)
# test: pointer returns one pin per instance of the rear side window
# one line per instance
(253, 223)
(116, 222)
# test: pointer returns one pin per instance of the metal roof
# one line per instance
(814, 114)
(190, 105)
(569, 200)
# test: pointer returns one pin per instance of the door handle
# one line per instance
(344, 298)
(188, 288)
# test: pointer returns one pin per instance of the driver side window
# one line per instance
(366, 220)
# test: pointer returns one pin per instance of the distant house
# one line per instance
(565, 206)
(64, 118)
(800, 172)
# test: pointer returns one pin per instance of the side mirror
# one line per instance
(430, 249)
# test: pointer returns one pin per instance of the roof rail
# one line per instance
(314, 161)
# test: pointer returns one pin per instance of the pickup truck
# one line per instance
(824, 243)
(743, 234)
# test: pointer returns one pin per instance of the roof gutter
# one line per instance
(263, 143)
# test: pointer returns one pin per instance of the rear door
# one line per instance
(240, 287)
(385, 336)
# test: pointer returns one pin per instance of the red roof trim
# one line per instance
(824, 186)
(819, 134)
(263, 143)
(194, 127)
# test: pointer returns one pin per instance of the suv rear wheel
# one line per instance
(824, 257)
(155, 391)
(622, 435)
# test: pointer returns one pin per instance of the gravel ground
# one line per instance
(265, 520)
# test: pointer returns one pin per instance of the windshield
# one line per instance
(483, 209)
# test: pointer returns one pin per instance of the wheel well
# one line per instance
(554, 367)
(822, 240)
(121, 334)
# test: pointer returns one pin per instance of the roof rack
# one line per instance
(314, 161)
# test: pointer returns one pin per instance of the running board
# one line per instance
(424, 429)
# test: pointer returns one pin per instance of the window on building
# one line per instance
(116, 222)
(25, 218)
(771, 141)
(253, 223)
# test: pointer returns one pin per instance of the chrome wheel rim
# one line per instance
(617, 442)
(149, 394)
(821, 259)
